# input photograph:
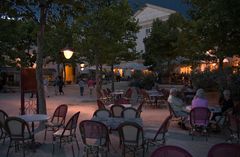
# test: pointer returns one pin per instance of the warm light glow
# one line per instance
(69, 73)
(225, 60)
(34, 66)
(67, 53)
(116, 70)
(186, 70)
(82, 65)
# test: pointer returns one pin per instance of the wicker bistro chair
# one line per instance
(234, 128)
(199, 120)
(224, 150)
(159, 137)
(170, 151)
(116, 110)
(68, 133)
(177, 116)
(128, 94)
(100, 104)
(120, 101)
(57, 120)
(3, 117)
(130, 113)
(19, 133)
(140, 107)
(131, 137)
(102, 113)
(95, 137)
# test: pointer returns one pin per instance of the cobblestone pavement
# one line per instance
(152, 118)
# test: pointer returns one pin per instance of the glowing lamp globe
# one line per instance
(67, 53)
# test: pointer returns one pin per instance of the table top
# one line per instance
(34, 117)
(125, 105)
(117, 93)
(213, 109)
(113, 122)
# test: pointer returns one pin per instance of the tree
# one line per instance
(217, 25)
(162, 44)
(108, 33)
(41, 12)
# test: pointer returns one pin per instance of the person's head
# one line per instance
(226, 94)
(173, 91)
(200, 93)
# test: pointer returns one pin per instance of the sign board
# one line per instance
(28, 85)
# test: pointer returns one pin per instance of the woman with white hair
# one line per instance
(199, 99)
(176, 103)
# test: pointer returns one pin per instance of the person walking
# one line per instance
(81, 84)
(45, 84)
(60, 84)
(91, 85)
(55, 86)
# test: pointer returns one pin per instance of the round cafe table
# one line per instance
(31, 118)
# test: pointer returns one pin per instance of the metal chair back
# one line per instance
(170, 151)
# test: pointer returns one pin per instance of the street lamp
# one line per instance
(67, 53)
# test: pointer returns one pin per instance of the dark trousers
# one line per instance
(81, 91)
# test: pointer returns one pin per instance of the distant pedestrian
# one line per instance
(45, 84)
(60, 84)
(55, 86)
(81, 84)
(91, 85)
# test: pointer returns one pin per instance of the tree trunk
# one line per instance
(112, 77)
(98, 76)
(39, 61)
(220, 68)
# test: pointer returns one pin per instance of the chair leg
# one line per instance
(53, 145)
(77, 142)
(9, 147)
(45, 135)
(73, 150)
(23, 148)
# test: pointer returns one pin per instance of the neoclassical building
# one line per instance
(145, 17)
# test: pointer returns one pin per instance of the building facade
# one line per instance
(146, 17)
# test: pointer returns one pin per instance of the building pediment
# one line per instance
(151, 12)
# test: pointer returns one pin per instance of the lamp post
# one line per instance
(67, 53)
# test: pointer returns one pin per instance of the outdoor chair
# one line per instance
(234, 128)
(116, 110)
(57, 120)
(128, 94)
(139, 108)
(107, 95)
(19, 133)
(102, 97)
(176, 116)
(139, 94)
(102, 113)
(95, 137)
(159, 137)
(131, 138)
(100, 104)
(170, 151)
(224, 150)
(3, 117)
(120, 101)
(67, 134)
(147, 99)
(130, 113)
(199, 120)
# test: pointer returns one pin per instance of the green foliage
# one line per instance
(107, 31)
(162, 45)
(218, 81)
(217, 25)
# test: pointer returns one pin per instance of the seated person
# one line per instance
(199, 99)
(176, 103)
(225, 102)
